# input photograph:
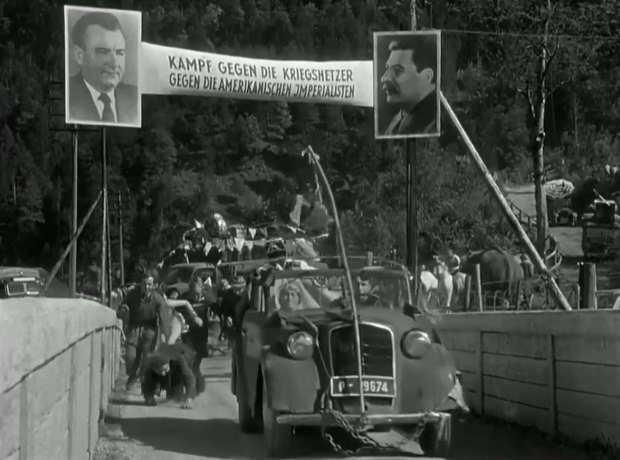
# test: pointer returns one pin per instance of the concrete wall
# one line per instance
(58, 363)
(558, 371)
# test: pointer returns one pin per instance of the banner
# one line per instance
(102, 66)
(407, 71)
(175, 71)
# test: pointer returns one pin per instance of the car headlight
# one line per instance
(415, 344)
(300, 345)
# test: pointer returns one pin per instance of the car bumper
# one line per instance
(325, 419)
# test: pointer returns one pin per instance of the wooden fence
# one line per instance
(558, 371)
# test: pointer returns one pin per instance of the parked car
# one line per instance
(179, 276)
(295, 360)
(29, 282)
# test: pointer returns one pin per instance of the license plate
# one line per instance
(373, 386)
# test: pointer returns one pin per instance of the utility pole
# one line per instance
(412, 198)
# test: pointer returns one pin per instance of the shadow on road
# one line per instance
(216, 438)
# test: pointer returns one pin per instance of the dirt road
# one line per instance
(210, 431)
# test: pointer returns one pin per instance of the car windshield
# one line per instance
(179, 275)
(381, 288)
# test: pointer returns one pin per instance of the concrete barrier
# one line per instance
(58, 362)
(556, 370)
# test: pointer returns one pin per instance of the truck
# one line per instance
(601, 231)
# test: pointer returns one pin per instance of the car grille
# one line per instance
(377, 350)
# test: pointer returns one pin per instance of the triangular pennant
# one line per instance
(264, 232)
(208, 247)
(249, 244)
(252, 232)
(239, 242)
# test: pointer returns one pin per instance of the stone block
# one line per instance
(48, 384)
(10, 403)
(51, 440)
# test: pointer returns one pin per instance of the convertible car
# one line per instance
(299, 350)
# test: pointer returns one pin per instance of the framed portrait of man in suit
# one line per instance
(407, 70)
(102, 65)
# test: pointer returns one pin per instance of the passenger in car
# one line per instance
(293, 296)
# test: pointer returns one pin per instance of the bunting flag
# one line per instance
(252, 232)
(264, 232)
(208, 247)
(249, 244)
(239, 243)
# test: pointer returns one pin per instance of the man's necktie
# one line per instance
(108, 114)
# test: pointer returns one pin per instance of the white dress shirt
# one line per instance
(99, 103)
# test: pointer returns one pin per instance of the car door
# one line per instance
(252, 338)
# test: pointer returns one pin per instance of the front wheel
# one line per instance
(436, 439)
(278, 437)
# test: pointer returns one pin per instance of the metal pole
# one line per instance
(104, 238)
(74, 218)
(514, 221)
(120, 239)
(109, 259)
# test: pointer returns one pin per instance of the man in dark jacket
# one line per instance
(170, 367)
(149, 316)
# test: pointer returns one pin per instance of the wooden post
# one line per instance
(551, 385)
(369, 258)
(479, 288)
(588, 279)
(412, 199)
(539, 263)
(74, 215)
(467, 292)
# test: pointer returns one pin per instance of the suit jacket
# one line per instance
(82, 107)
(421, 120)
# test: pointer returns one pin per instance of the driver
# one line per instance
(365, 298)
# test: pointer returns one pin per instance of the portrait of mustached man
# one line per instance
(409, 82)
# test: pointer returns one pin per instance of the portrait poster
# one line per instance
(102, 67)
(407, 84)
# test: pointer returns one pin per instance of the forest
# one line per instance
(195, 156)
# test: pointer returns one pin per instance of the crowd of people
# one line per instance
(167, 337)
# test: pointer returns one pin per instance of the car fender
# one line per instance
(428, 381)
(292, 385)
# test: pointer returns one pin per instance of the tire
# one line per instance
(247, 422)
(436, 439)
(278, 438)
